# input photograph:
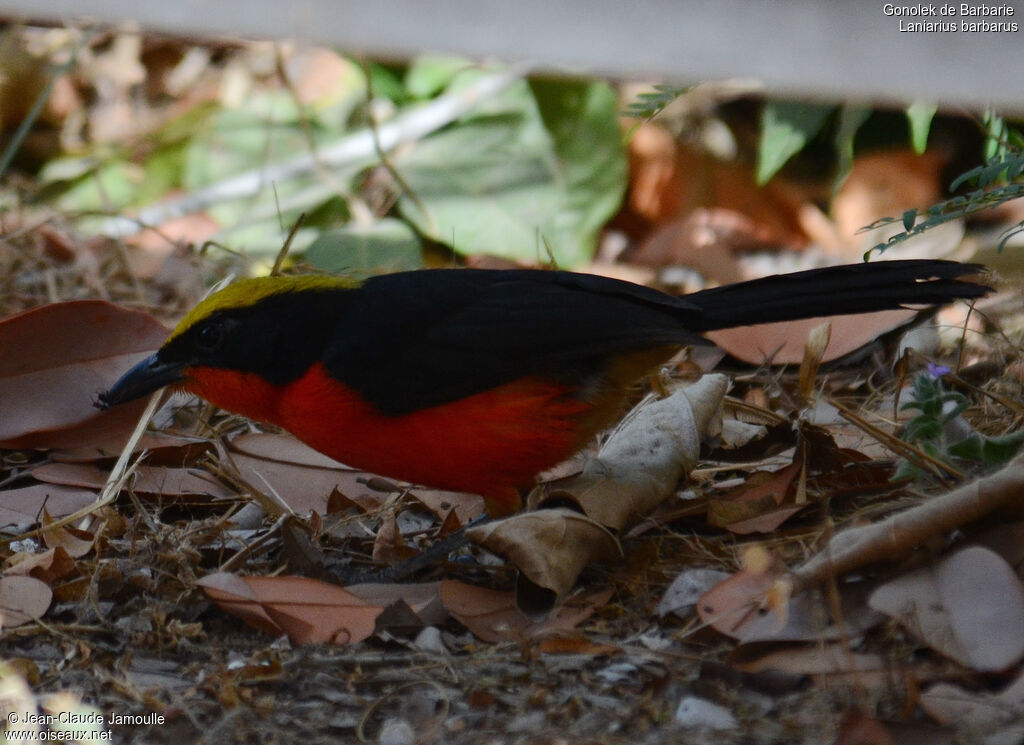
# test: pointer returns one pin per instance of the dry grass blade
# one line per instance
(896, 445)
(118, 475)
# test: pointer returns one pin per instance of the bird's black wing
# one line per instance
(418, 339)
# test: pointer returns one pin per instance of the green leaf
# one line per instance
(786, 127)
(430, 74)
(851, 117)
(995, 128)
(522, 172)
(919, 117)
(388, 245)
(385, 84)
(991, 452)
(267, 128)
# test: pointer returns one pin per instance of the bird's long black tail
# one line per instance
(834, 290)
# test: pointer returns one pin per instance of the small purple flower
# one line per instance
(936, 371)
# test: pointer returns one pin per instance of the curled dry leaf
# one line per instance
(67, 352)
(636, 470)
(550, 547)
(947, 704)
(493, 616)
(307, 610)
(77, 543)
(47, 566)
(22, 599)
(970, 606)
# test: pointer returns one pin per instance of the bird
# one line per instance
(477, 380)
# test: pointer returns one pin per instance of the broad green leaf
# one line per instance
(501, 182)
(919, 117)
(388, 245)
(786, 127)
(430, 74)
(386, 84)
(850, 118)
(268, 128)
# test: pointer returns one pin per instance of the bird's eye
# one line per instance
(211, 337)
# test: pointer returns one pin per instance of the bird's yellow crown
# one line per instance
(248, 292)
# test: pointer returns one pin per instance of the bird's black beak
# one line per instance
(149, 375)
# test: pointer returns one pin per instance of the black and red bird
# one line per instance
(477, 380)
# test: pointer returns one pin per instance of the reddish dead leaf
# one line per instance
(423, 598)
(303, 478)
(860, 729)
(76, 542)
(46, 566)
(22, 599)
(307, 610)
(442, 503)
(882, 184)
(757, 505)
(969, 607)
(67, 352)
(147, 480)
(783, 343)
(24, 507)
(164, 450)
(742, 607)
(668, 179)
(494, 617)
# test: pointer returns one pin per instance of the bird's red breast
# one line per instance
(491, 443)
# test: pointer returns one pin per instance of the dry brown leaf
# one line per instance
(441, 503)
(423, 598)
(549, 546)
(493, 616)
(635, 471)
(950, 704)
(860, 729)
(301, 477)
(969, 606)
(389, 547)
(24, 507)
(307, 610)
(646, 456)
(757, 505)
(147, 480)
(22, 599)
(76, 542)
(743, 607)
(67, 352)
(46, 566)
(783, 343)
